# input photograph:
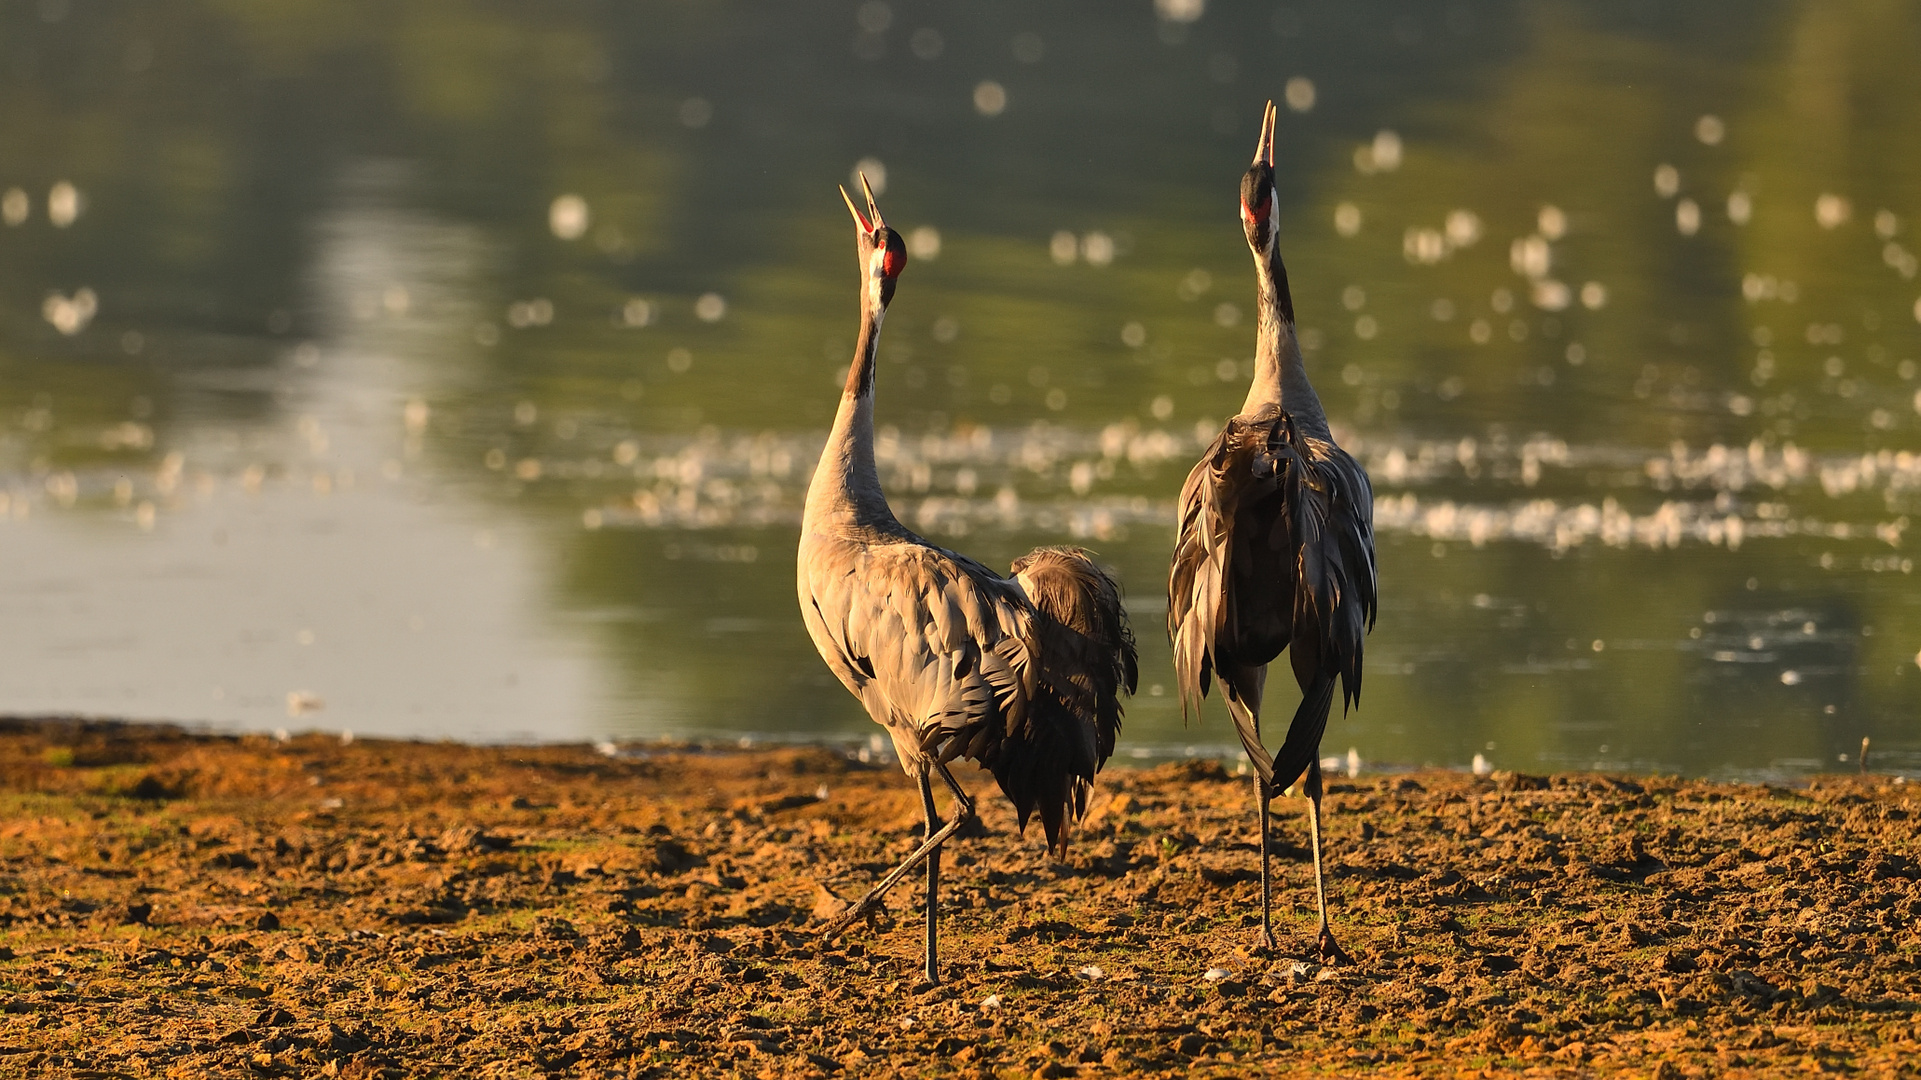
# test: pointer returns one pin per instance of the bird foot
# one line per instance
(1331, 952)
(869, 908)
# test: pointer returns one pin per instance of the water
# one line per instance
(457, 373)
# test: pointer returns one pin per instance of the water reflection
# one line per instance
(459, 371)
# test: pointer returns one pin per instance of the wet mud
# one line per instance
(183, 905)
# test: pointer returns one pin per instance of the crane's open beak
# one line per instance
(1264, 150)
(873, 210)
(859, 221)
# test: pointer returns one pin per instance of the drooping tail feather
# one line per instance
(1303, 745)
(1247, 725)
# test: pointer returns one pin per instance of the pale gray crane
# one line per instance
(1275, 551)
(1021, 674)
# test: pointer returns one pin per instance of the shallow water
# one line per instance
(458, 374)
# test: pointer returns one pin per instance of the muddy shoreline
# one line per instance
(183, 904)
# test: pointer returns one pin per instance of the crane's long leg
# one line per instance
(933, 878)
(1262, 799)
(1330, 950)
(1242, 687)
(964, 803)
(962, 813)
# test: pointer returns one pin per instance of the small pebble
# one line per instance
(991, 1001)
(1216, 974)
(1092, 972)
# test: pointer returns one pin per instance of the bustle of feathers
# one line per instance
(1088, 659)
(1021, 674)
(1275, 550)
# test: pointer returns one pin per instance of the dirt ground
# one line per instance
(182, 905)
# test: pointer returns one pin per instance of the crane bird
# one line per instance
(1021, 674)
(1275, 551)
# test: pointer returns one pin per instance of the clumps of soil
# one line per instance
(174, 904)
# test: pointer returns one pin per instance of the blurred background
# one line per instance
(453, 370)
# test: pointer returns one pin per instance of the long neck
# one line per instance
(846, 485)
(1280, 373)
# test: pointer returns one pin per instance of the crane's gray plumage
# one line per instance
(1275, 548)
(1022, 674)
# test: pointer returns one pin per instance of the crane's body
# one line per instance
(1275, 551)
(1021, 674)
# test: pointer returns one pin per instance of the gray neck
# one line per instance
(846, 487)
(1280, 372)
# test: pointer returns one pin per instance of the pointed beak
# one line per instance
(873, 209)
(1264, 150)
(858, 219)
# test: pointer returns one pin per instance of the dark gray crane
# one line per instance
(1275, 551)
(1021, 674)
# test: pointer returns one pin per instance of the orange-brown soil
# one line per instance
(180, 905)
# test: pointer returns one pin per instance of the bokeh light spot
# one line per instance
(990, 98)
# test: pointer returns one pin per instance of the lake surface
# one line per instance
(457, 371)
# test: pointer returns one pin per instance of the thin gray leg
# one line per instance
(962, 812)
(1261, 801)
(1330, 950)
(933, 879)
(963, 801)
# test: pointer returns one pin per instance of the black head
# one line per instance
(1257, 190)
(883, 254)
